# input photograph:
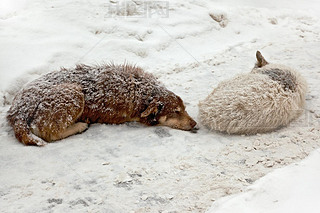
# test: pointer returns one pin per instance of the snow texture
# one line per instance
(291, 189)
(131, 168)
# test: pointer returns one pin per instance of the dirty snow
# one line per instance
(190, 47)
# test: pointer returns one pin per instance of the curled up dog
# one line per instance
(265, 99)
(62, 103)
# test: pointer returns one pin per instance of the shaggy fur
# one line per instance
(63, 103)
(269, 97)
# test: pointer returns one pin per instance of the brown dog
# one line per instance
(63, 103)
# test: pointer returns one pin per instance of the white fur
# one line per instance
(253, 103)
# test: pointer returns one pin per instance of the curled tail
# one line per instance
(23, 133)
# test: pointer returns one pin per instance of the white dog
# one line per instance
(268, 97)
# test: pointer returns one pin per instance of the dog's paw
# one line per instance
(81, 127)
(35, 141)
(41, 143)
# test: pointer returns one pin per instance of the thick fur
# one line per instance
(267, 98)
(63, 103)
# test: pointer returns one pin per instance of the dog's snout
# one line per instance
(193, 124)
(194, 127)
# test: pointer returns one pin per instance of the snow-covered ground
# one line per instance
(294, 188)
(190, 46)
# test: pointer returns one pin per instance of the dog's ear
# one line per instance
(260, 60)
(154, 108)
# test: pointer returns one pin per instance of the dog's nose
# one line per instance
(193, 124)
(194, 129)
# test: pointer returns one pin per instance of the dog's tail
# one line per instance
(23, 133)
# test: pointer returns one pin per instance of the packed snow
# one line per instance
(291, 189)
(190, 46)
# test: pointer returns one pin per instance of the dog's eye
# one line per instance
(177, 111)
(160, 107)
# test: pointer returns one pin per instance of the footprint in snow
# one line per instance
(162, 132)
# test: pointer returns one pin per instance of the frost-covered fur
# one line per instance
(268, 97)
(63, 103)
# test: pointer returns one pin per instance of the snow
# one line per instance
(294, 188)
(123, 168)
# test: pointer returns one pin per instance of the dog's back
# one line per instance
(99, 85)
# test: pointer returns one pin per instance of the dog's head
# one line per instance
(168, 111)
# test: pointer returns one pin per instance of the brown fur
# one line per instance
(63, 103)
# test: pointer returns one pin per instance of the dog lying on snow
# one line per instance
(63, 103)
(269, 97)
